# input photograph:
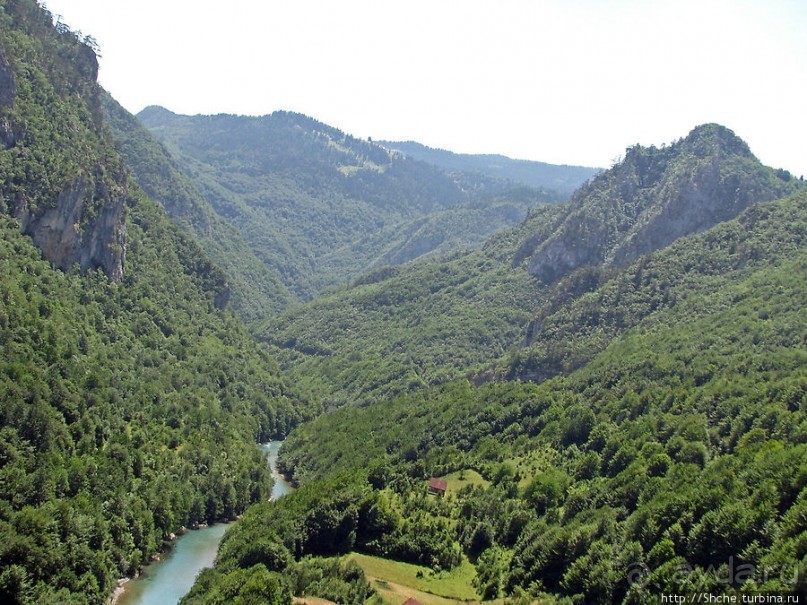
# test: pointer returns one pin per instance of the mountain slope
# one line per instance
(675, 458)
(539, 175)
(653, 197)
(322, 207)
(401, 328)
(131, 402)
(420, 325)
(430, 322)
(60, 179)
(257, 290)
(128, 411)
(591, 307)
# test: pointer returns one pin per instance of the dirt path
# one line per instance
(396, 594)
(311, 601)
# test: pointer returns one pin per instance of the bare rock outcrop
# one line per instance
(67, 238)
(75, 219)
(653, 197)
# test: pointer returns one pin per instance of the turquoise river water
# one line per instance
(166, 582)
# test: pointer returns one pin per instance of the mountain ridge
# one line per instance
(322, 207)
(541, 175)
(653, 197)
(461, 317)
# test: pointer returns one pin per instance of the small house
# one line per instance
(411, 601)
(437, 487)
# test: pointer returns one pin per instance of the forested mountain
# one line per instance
(653, 197)
(613, 390)
(321, 207)
(444, 319)
(60, 178)
(661, 446)
(256, 287)
(539, 175)
(131, 402)
(673, 462)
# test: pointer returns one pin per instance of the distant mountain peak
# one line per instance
(322, 207)
(712, 137)
(155, 111)
(653, 197)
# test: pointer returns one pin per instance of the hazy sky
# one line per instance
(561, 81)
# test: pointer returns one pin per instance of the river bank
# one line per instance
(167, 580)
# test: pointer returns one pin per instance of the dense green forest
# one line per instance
(129, 410)
(256, 287)
(614, 389)
(431, 321)
(661, 449)
(321, 207)
(676, 452)
(131, 402)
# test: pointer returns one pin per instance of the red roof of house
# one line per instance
(411, 601)
(437, 484)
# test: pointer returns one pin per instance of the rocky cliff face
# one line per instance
(66, 239)
(653, 197)
(60, 177)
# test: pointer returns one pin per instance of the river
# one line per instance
(166, 582)
(281, 486)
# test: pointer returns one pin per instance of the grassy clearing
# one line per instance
(395, 577)
(459, 479)
(348, 170)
